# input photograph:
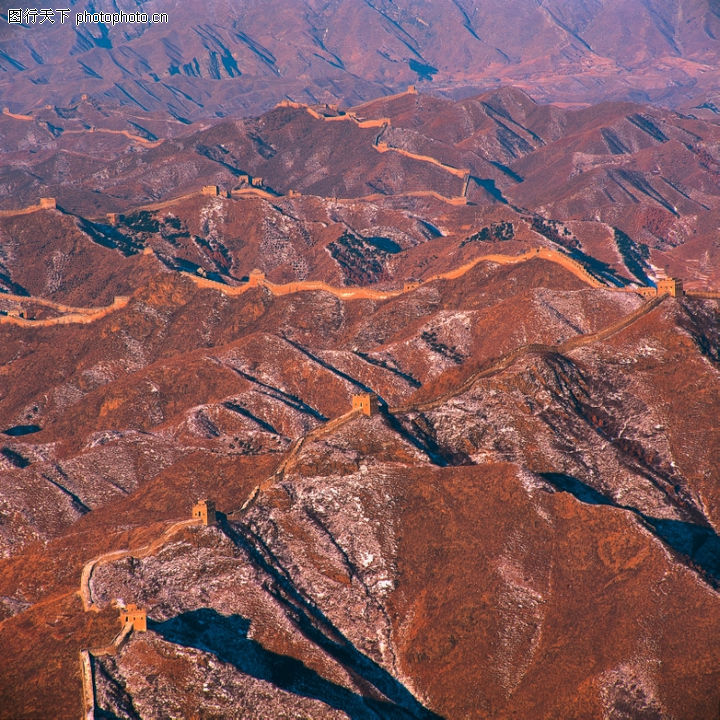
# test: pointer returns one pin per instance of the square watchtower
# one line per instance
(204, 511)
(670, 286)
(366, 403)
(135, 616)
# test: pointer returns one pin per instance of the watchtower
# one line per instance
(670, 286)
(134, 615)
(204, 510)
(409, 285)
(366, 403)
(112, 218)
(411, 90)
(210, 190)
(47, 202)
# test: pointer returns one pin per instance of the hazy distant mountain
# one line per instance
(216, 57)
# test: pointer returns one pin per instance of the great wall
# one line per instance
(449, 199)
(332, 114)
(44, 203)
(256, 279)
(126, 133)
(363, 404)
(85, 590)
(133, 619)
(254, 187)
(367, 406)
(505, 361)
(410, 90)
(17, 116)
(77, 316)
(383, 147)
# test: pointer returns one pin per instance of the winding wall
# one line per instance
(366, 293)
(85, 576)
(383, 147)
(82, 316)
(496, 366)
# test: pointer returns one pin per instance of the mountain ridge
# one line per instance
(245, 59)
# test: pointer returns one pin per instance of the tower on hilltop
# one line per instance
(204, 511)
(670, 286)
(366, 403)
(135, 616)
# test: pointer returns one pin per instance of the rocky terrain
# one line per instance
(634, 186)
(532, 514)
(191, 302)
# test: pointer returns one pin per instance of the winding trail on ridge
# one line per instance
(85, 591)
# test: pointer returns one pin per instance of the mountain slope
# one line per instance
(230, 58)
